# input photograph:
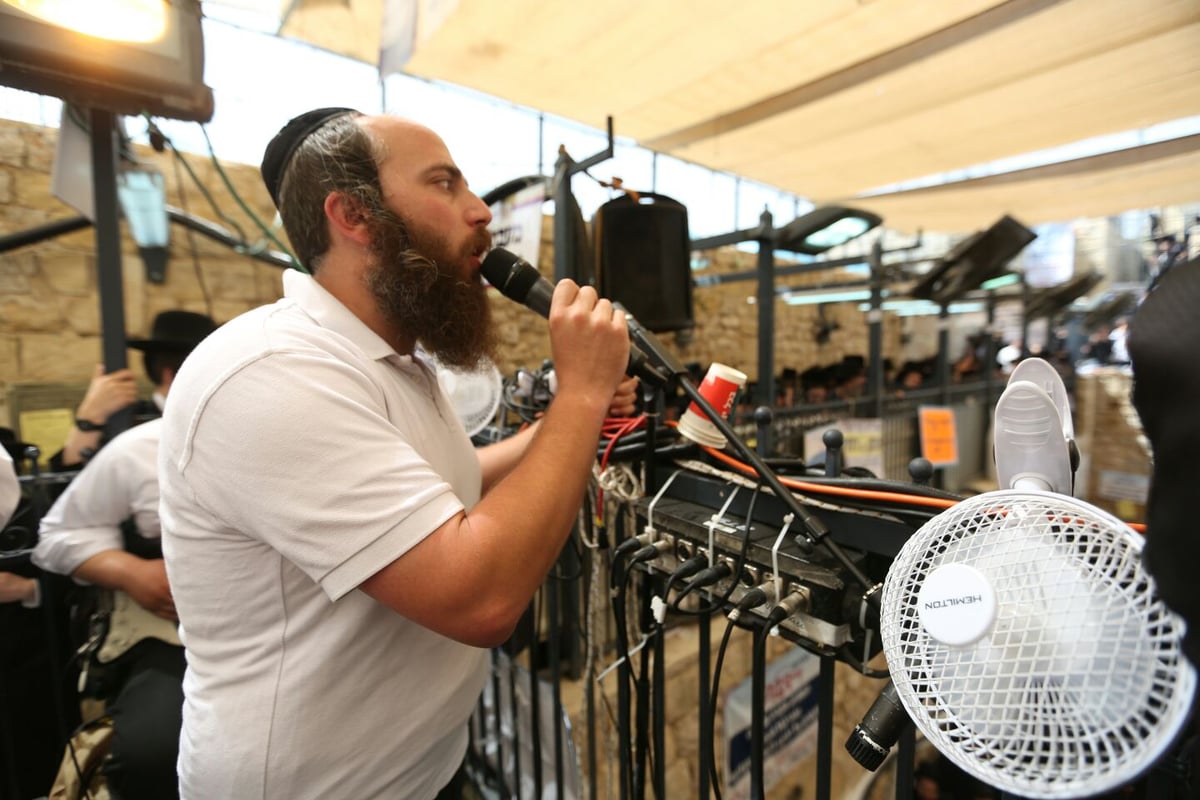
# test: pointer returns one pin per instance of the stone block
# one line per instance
(12, 145)
(53, 358)
(68, 272)
(30, 312)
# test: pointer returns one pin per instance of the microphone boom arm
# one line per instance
(814, 528)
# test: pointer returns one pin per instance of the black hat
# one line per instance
(813, 377)
(279, 149)
(848, 368)
(177, 331)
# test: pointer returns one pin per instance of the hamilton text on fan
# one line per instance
(950, 602)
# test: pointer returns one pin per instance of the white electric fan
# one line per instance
(1023, 635)
(473, 394)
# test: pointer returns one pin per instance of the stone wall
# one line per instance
(50, 327)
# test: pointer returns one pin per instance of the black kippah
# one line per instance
(279, 150)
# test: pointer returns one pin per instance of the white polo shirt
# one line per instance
(300, 455)
(119, 482)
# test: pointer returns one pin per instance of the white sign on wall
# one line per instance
(517, 222)
(790, 726)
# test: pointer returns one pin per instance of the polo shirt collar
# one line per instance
(329, 312)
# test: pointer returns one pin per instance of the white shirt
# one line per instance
(301, 455)
(10, 487)
(119, 482)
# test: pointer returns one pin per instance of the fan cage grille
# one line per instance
(1079, 685)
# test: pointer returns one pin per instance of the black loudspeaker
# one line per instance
(643, 259)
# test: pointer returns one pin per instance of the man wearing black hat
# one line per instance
(173, 334)
(340, 554)
(104, 531)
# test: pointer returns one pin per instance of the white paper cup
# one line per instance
(719, 387)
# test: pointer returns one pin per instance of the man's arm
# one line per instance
(473, 577)
(107, 394)
(143, 579)
(497, 460)
(81, 536)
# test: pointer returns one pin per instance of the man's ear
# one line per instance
(347, 217)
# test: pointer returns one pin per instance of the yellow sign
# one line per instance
(47, 428)
(939, 438)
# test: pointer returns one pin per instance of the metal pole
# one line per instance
(39, 233)
(875, 330)
(825, 683)
(766, 313)
(564, 231)
(108, 252)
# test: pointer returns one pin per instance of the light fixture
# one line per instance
(824, 228)
(813, 298)
(124, 56)
(143, 197)
(925, 308)
(117, 20)
(1000, 282)
(982, 256)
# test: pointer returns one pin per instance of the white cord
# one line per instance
(618, 480)
(712, 524)
(787, 523)
(650, 529)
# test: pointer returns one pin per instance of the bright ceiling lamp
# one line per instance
(124, 56)
(118, 20)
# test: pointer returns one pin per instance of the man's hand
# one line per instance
(624, 399)
(146, 583)
(15, 588)
(143, 579)
(589, 340)
(107, 394)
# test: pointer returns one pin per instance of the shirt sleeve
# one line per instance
(10, 487)
(86, 518)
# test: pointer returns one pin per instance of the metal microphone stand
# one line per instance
(814, 529)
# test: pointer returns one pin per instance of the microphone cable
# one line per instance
(758, 708)
(624, 669)
(709, 576)
(755, 597)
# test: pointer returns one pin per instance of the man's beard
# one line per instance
(414, 281)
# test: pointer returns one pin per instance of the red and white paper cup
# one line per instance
(719, 387)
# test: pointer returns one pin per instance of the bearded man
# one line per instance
(340, 553)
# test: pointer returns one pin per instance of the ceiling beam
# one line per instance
(1117, 159)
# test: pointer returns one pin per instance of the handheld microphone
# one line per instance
(519, 280)
(872, 739)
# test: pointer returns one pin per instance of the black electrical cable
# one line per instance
(758, 710)
(641, 730)
(712, 707)
(699, 580)
(686, 569)
(624, 669)
(751, 598)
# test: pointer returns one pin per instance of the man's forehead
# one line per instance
(407, 142)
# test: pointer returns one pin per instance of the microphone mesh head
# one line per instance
(509, 273)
